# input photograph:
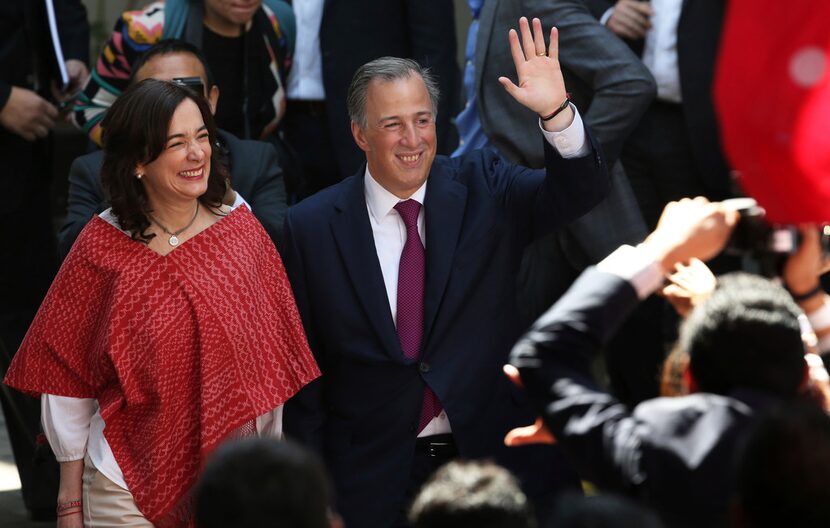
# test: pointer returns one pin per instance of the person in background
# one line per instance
(255, 174)
(169, 328)
(612, 89)
(247, 45)
(30, 95)
(333, 40)
(675, 150)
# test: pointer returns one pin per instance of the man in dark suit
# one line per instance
(409, 339)
(675, 151)
(255, 173)
(745, 353)
(335, 38)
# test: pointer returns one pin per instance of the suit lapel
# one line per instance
(444, 211)
(353, 235)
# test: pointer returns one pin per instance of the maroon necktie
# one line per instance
(410, 318)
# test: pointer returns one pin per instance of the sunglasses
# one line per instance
(194, 83)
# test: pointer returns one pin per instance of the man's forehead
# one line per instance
(171, 66)
(407, 96)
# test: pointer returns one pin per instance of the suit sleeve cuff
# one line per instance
(636, 266)
(571, 142)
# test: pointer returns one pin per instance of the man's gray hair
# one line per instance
(386, 69)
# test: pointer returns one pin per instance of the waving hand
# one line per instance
(541, 87)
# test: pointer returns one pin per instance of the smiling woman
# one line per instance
(159, 164)
(187, 335)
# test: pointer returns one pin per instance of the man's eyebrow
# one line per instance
(392, 118)
(173, 136)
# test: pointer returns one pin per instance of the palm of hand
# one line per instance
(541, 87)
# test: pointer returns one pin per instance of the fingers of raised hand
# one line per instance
(528, 45)
(553, 52)
(538, 38)
(533, 41)
(515, 48)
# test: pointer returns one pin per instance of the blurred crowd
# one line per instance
(312, 272)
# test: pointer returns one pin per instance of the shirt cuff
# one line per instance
(571, 142)
(66, 424)
(605, 16)
(636, 266)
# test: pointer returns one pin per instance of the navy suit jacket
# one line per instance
(480, 212)
(255, 175)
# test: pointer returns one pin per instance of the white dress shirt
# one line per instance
(660, 48)
(389, 230)
(305, 80)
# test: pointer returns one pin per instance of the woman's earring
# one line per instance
(139, 175)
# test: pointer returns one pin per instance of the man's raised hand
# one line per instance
(541, 87)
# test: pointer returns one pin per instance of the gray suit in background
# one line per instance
(612, 90)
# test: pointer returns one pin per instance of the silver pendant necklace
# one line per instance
(174, 235)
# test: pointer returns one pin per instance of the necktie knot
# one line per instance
(409, 209)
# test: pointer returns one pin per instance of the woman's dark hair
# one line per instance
(135, 132)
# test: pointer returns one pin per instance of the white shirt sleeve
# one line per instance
(66, 424)
(636, 266)
(571, 142)
(270, 424)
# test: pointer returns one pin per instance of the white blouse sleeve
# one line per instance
(270, 424)
(66, 424)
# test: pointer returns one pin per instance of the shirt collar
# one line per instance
(381, 202)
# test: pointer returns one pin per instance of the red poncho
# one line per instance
(180, 350)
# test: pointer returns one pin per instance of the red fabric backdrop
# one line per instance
(772, 94)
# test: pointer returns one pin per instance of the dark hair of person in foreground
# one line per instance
(784, 469)
(263, 483)
(745, 335)
(601, 511)
(471, 495)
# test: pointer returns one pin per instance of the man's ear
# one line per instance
(689, 379)
(360, 137)
(213, 98)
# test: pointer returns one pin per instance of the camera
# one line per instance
(768, 245)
